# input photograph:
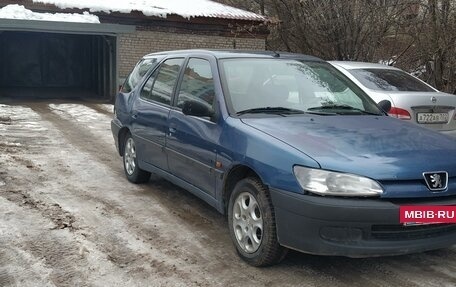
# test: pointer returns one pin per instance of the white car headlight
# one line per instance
(324, 182)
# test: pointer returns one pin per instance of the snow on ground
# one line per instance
(68, 217)
(15, 11)
(19, 119)
(23, 118)
(80, 113)
(16, 122)
(160, 8)
(98, 123)
(107, 107)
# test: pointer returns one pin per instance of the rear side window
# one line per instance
(197, 83)
(138, 73)
(159, 87)
(389, 80)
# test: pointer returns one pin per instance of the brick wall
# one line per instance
(133, 46)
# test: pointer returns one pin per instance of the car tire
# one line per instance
(251, 221)
(130, 162)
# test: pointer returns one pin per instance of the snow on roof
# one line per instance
(159, 8)
(15, 11)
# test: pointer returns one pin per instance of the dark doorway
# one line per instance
(56, 65)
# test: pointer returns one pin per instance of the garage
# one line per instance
(44, 59)
(52, 65)
(85, 49)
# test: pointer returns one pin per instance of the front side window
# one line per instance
(253, 85)
(197, 84)
(389, 80)
(138, 73)
(160, 85)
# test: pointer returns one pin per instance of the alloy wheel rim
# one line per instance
(130, 156)
(247, 222)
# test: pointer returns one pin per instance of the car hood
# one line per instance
(378, 147)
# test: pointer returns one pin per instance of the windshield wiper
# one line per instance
(271, 110)
(343, 107)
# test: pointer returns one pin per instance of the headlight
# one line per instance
(324, 182)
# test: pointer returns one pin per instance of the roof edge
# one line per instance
(64, 27)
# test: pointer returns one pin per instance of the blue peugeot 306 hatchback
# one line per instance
(294, 153)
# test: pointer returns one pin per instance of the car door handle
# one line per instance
(172, 130)
(135, 116)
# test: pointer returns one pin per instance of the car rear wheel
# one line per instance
(252, 224)
(130, 161)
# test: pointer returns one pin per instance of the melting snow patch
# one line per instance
(107, 107)
(22, 118)
(15, 11)
(79, 113)
(10, 144)
(88, 117)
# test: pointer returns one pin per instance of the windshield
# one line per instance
(281, 85)
(389, 80)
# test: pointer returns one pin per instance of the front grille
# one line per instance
(437, 200)
(400, 232)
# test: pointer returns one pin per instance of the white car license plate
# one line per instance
(432, 118)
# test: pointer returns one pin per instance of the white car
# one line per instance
(411, 99)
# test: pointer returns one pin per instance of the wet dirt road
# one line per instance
(68, 217)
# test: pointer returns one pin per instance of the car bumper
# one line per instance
(115, 128)
(354, 227)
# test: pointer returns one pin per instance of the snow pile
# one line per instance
(159, 8)
(15, 11)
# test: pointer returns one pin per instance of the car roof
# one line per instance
(350, 65)
(223, 54)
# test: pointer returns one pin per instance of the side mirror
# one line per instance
(197, 109)
(385, 105)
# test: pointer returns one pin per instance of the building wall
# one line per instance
(133, 46)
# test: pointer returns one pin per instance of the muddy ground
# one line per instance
(68, 217)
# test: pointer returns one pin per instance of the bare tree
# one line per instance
(336, 29)
(434, 34)
(416, 35)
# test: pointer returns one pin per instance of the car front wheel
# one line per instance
(252, 224)
(130, 160)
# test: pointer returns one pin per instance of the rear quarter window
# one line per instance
(139, 71)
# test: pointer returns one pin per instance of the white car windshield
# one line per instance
(258, 85)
